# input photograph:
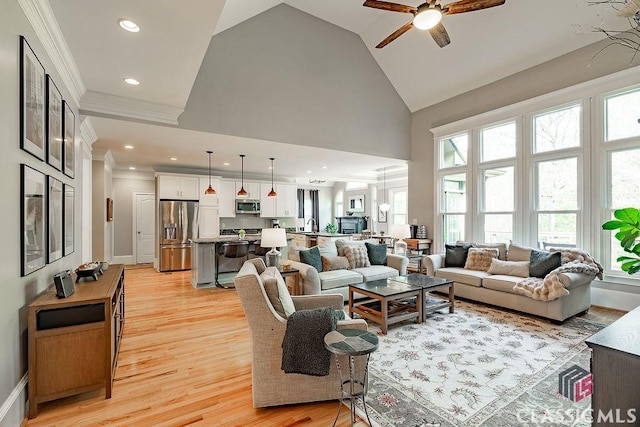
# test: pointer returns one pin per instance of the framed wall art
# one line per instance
(382, 215)
(54, 214)
(32, 101)
(54, 125)
(69, 222)
(32, 218)
(69, 125)
(109, 209)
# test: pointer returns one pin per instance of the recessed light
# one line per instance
(226, 163)
(128, 25)
(173, 158)
(270, 167)
(130, 81)
(132, 168)
(129, 147)
(324, 167)
(308, 171)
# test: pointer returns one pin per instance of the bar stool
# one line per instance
(231, 250)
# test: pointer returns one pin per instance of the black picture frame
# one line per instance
(55, 197)
(69, 154)
(32, 102)
(32, 220)
(69, 219)
(382, 215)
(54, 125)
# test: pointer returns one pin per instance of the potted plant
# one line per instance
(628, 222)
(331, 228)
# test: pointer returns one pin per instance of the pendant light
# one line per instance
(272, 193)
(385, 206)
(210, 189)
(242, 192)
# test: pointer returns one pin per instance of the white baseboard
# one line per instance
(13, 396)
(614, 299)
(123, 259)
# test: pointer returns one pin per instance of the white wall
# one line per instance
(124, 188)
(18, 292)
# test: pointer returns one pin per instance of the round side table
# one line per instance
(352, 343)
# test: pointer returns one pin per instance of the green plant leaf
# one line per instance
(612, 225)
(628, 215)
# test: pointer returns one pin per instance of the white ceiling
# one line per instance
(165, 56)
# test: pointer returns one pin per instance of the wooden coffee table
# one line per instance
(428, 284)
(388, 302)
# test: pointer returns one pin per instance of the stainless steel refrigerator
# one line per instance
(178, 223)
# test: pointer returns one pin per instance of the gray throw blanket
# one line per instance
(303, 350)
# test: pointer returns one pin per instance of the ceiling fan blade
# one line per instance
(463, 6)
(397, 33)
(393, 7)
(440, 35)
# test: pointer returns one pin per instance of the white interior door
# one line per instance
(145, 228)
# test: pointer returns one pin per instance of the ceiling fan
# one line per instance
(427, 16)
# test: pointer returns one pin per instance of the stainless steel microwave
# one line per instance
(245, 206)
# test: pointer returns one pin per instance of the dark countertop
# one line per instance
(322, 234)
(231, 238)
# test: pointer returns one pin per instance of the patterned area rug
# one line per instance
(480, 366)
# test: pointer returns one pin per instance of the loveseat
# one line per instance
(336, 272)
(517, 278)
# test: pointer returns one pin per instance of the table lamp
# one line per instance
(273, 238)
(399, 232)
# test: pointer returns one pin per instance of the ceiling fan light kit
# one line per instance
(428, 15)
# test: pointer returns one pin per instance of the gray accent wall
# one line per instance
(18, 292)
(289, 77)
(568, 70)
(123, 207)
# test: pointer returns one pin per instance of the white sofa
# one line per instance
(498, 289)
(338, 281)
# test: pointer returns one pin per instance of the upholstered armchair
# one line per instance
(271, 385)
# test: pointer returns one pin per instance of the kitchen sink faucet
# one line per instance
(314, 226)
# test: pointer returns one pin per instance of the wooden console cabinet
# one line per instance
(74, 341)
(615, 369)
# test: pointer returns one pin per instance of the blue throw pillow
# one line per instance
(312, 257)
(377, 254)
(456, 255)
(542, 263)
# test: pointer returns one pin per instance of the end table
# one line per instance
(352, 343)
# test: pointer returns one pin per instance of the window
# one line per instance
(557, 129)
(399, 206)
(454, 206)
(499, 203)
(454, 151)
(498, 142)
(622, 115)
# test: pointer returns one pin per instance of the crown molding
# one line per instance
(45, 25)
(102, 103)
(87, 131)
(106, 157)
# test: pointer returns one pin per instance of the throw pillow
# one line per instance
(330, 263)
(455, 255)
(357, 256)
(509, 268)
(342, 244)
(277, 292)
(480, 259)
(377, 253)
(312, 257)
(293, 253)
(543, 262)
(518, 253)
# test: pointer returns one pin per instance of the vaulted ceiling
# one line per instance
(166, 55)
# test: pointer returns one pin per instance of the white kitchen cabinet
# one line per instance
(252, 189)
(287, 200)
(268, 205)
(209, 199)
(208, 222)
(178, 187)
(227, 199)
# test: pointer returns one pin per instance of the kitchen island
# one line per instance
(205, 262)
(306, 239)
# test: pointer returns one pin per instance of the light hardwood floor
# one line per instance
(186, 360)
